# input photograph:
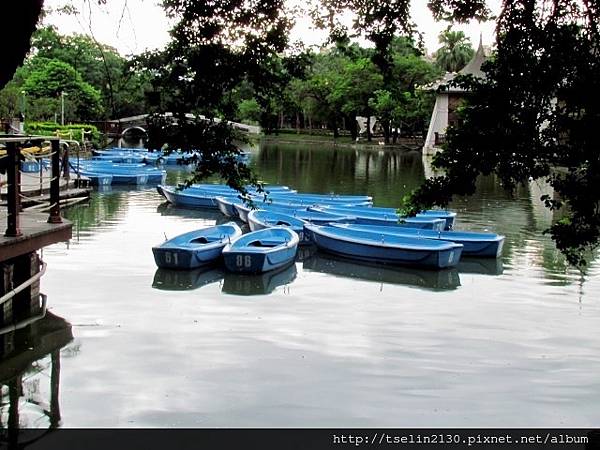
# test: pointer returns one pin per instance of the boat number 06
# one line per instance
(243, 261)
(171, 256)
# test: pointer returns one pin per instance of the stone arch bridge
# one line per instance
(118, 127)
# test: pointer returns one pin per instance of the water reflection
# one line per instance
(185, 280)
(167, 209)
(260, 284)
(385, 175)
(437, 280)
(30, 372)
(484, 266)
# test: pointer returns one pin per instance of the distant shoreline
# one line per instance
(343, 141)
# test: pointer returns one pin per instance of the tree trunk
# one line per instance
(369, 128)
(297, 122)
(386, 132)
(353, 128)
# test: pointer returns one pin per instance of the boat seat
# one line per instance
(263, 244)
(284, 223)
(200, 240)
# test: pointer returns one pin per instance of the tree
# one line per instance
(356, 87)
(55, 78)
(455, 52)
(216, 47)
(532, 118)
(122, 89)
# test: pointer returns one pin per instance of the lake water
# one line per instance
(512, 342)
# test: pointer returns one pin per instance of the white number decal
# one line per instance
(171, 257)
(243, 261)
(451, 258)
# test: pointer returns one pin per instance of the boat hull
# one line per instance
(185, 252)
(382, 253)
(188, 201)
(257, 222)
(241, 258)
(226, 207)
(485, 245)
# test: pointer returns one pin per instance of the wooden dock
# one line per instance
(36, 233)
(26, 232)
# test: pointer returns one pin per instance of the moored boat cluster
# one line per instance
(345, 225)
(130, 165)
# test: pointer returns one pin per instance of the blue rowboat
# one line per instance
(487, 245)
(298, 211)
(319, 200)
(366, 216)
(260, 218)
(123, 173)
(116, 178)
(97, 179)
(389, 249)
(118, 158)
(448, 216)
(180, 198)
(258, 284)
(226, 189)
(298, 201)
(196, 248)
(243, 209)
(227, 205)
(362, 215)
(317, 217)
(261, 251)
(316, 198)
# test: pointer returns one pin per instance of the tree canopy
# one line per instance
(532, 118)
(455, 52)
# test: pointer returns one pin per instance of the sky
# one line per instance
(133, 26)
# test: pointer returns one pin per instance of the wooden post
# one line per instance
(65, 162)
(13, 200)
(55, 184)
(54, 390)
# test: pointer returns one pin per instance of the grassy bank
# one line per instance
(345, 141)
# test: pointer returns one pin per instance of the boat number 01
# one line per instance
(243, 261)
(171, 257)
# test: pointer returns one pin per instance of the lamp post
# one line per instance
(62, 107)
(23, 93)
(22, 114)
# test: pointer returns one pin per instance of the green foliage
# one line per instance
(215, 142)
(456, 51)
(53, 129)
(249, 111)
(121, 88)
(52, 78)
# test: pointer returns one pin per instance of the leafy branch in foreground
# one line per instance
(211, 145)
(533, 117)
